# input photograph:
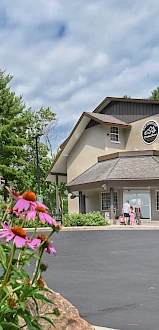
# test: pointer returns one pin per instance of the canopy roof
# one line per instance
(135, 165)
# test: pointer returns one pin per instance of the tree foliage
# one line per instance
(18, 128)
(154, 94)
(13, 127)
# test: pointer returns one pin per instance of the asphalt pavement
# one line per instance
(112, 277)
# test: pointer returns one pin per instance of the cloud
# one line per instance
(70, 55)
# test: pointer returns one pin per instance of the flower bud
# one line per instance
(43, 267)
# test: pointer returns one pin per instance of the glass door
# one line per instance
(138, 198)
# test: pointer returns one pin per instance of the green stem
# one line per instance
(37, 265)
(23, 222)
(5, 213)
(7, 274)
(6, 277)
(41, 249)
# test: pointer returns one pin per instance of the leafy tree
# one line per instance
(154, 94)
(18, 128)
(126, 97)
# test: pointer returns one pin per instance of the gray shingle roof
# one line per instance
(125, 168)
(107, 118)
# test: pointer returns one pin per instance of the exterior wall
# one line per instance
(92, 203)
(93, 143)
(134, 139)
(130, 111)
(111, 147)
(73, 205)
(154, 213)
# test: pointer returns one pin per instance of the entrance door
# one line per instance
(139, 198)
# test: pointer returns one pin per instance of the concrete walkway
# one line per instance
(149, 225)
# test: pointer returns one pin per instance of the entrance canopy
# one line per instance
(132, 168)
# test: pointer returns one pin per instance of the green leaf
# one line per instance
(22, 305)
(42, 297)
(9, 324)
(36, 325)
(47, 319)
(3, 257)
(36, 305)
(5, 289)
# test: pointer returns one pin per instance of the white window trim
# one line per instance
(109, 193)
(115, 141)
(157, 191)
(114, 133)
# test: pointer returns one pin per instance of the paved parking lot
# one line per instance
(112, 277)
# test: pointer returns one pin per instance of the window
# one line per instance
(157, 200)
(106, 201)
(114, 134)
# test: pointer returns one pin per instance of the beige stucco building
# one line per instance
(112, 155)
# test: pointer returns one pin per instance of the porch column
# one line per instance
(83, 204)
(57, 194)
(112, 205)
(80, 201)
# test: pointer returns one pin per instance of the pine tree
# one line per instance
(13, 126)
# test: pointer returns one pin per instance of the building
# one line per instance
(112, 155)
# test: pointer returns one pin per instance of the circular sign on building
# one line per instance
(150, 131)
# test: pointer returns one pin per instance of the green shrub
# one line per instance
(89, 219)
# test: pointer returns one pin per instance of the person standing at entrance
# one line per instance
(126, 211)
(132, 216)
(138, 215)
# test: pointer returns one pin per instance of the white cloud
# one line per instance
(72, 54)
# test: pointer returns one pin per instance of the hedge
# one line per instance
(88, 219)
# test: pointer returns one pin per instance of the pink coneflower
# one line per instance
(19, 215)
(15, 194)
(26, 201)
(43, 215)
(47, 245)
(19, 236)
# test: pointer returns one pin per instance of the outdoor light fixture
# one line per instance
(104, 186)
(73, 196)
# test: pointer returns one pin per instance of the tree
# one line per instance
(154, 94)
(13, 126)
(18, 128)
(126, 97)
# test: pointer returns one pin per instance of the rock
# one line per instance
(69, 318)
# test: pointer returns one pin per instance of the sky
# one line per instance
(71, 54)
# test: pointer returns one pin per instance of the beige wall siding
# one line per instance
(92, 203)
(111, 147)
(134, 138)
(93, 143)
(73, 205)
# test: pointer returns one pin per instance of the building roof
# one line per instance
(109, 99)
(106, 119)
(137, 167)
(60, 162)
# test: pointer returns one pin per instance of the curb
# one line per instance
(101, 328)
(96, 228)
